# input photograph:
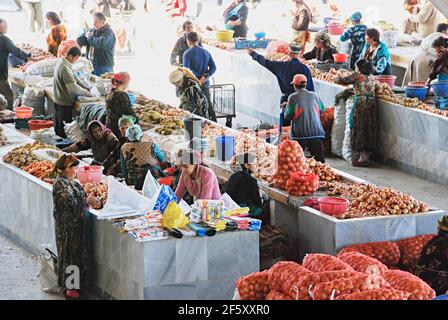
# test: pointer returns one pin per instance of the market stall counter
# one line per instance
(188, 268)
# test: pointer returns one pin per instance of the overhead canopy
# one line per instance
(442, 6)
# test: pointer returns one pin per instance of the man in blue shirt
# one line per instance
(200, 62)
(285, 71)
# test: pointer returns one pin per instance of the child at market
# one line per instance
(302, 109)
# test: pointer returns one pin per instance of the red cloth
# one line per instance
(177, 8)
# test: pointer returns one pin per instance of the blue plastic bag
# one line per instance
(163, 197)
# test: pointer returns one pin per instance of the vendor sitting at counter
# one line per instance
(196, 179)
(323, 50)
(357, 35)
(302, 109)
(118, 103)
(102, 142)
(285, 71)
(235, 18)
(440, 66)
(377, 53)
(139, 157)
(243, 188)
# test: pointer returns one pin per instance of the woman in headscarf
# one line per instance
(118, 102)
(103, 144)
(196, 179)
(70, 205)
(57, 34)
(235, 18)
(243, 188)
(113, 161)
(191, 96)
(433, 264)
(323, 50)
(139, 157)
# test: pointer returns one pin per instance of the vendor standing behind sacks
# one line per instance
(7, 47)
(235, 18)
(357, 35)
(427, 17)
(66, 89)
(420, 66)
(285, 71)
(301, 21)
(302, 109)
(100, 43)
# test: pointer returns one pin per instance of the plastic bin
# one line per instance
(224, 35)
(333, 206)
(416, 92)
(225, 147)
(166, 181)
(440, 88)
(89, 174)
(340, 57)
(390, 80)
(40, 124)
(24, 112)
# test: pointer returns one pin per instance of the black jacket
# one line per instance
(7, 47)
(103, 41)
(243, 189)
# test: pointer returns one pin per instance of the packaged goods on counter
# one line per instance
(145, 228)
(245, 223)
(206, 210)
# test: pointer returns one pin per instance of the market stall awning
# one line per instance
(442, 6)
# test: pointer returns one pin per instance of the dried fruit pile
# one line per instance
(98, 190)
(23, 156)
(41, 170)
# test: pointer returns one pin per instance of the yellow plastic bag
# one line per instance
(173, 217)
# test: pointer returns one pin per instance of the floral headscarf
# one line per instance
(65, 161)
(126, 119)
(134, 133)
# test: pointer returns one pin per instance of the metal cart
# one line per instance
(223, 100)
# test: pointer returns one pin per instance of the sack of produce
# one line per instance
(276, 295)
(338, 129)
(387, 252)
(319, 262)
(411, 249)
(332, 289)
(74, 132)
(347, 152)
(275, 274)
(275, 47)
(377, 294)
(363, 263)
(290, 276)
(65, 46)
(290, 159)
(254, 286)
(43, 68)
(34, 97)
(405, 281)
(308, 281)
(301, 184)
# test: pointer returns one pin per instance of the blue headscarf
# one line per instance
(134, 133)
(357, 16)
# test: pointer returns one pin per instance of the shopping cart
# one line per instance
(223, 100)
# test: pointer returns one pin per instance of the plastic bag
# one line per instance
(44, 68)
(338, 130)
(83, 66)
(34, 97)
(74, 132)
(162, 198)
(150, 186)
(173, 217)
(347, 152)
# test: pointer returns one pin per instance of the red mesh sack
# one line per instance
(411, 249)
(387, 252)
(362, 263)
(301, 184)
(65, 46)
(254, 286)
(378, 294)
(405, 281)
(276, 295)
(275, 274)
(290, 159)
(318, 262)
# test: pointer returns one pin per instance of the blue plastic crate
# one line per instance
(442, 297)
(441, 103)
(253, 44)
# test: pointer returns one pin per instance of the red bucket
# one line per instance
(333, 206)
(166, 181)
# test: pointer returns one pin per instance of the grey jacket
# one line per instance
(66, 86)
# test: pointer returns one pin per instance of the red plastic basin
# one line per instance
(89, 174)
(335, 29)
(40, 124)
(23, 112)
(166, 180)
(340, 57)
(390, 80)
(333, 206)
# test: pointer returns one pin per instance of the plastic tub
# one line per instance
(390, 80)
(440, 88)
(23, 112)
(340, 57)
(224, 35)
(166, 181)
(225, 147)
(416, 92)
(89, 174)
(40, 124)
(335, 29)
(417, 84)
(259, 35)
(333, 206)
